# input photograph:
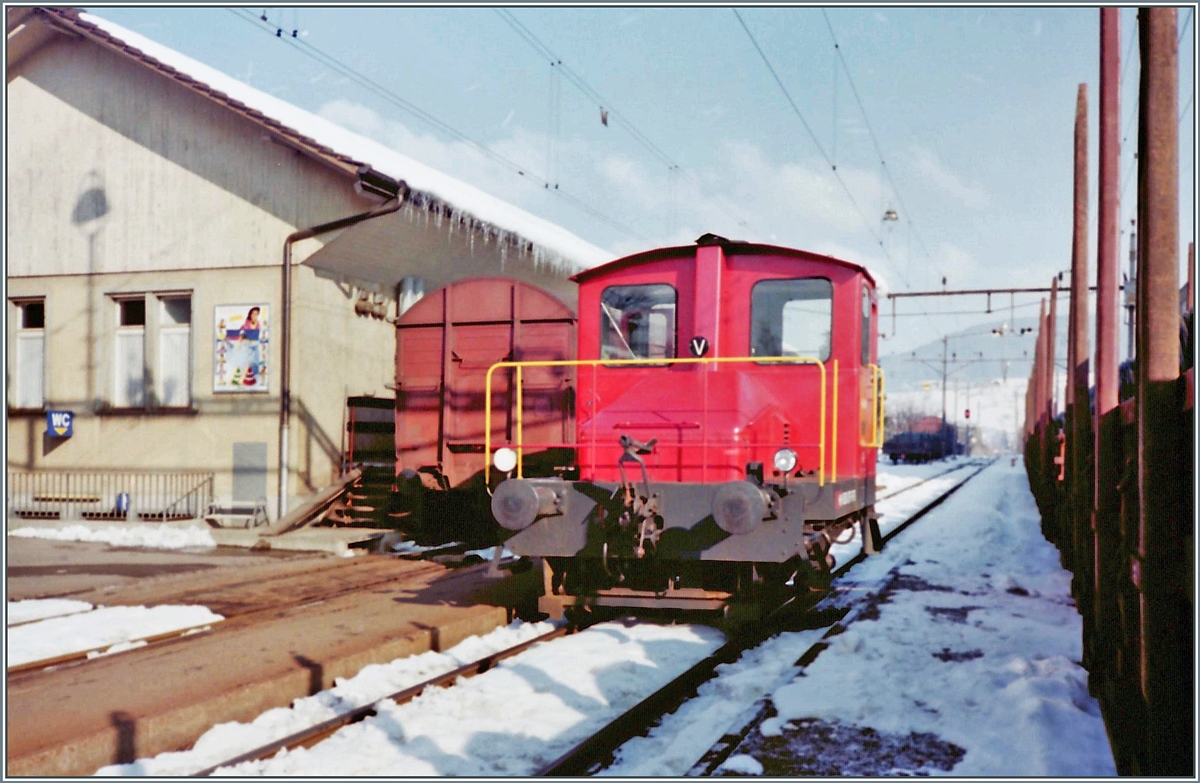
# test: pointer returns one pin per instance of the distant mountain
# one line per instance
(975, 355)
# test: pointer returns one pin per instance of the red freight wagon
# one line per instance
(445, 344)
(727, 419)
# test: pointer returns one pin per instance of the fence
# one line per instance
(113, 496)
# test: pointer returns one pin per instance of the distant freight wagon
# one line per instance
(929, 438)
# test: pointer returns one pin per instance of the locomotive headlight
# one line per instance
(785, 460)
(505, 459)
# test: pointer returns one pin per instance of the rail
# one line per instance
(596, 752)
(107, 496)
(596, 363)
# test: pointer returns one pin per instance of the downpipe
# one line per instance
(369, 182)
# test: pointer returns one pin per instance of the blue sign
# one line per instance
(58, 424)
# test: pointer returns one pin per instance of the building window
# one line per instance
(791, 318)
(130, 365)
(31, 354)
(175, 352)
(637, 322)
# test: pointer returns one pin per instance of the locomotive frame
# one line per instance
(710, 528)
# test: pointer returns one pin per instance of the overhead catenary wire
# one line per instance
(820, 148)
(875, 140)
(612, 116)
(882, 162)
(362, 80)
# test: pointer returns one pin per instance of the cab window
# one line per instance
(637, 322)
(791, 317)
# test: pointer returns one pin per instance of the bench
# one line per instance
(66, 498)
(237, 513)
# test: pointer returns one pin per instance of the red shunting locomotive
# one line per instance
(728, 412)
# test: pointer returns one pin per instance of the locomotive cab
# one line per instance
(727, 416)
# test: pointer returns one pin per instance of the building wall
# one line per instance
(335, 354)
(123, 182)
(153, 189)
(334, 351)
(116, 168)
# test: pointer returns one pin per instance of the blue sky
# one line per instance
(972, 108)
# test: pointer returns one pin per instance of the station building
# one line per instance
(149, 203)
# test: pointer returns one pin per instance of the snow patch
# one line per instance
(33, 609)
(742, 764)
(150, 537)
(99, 629)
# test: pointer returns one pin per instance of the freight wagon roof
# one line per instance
(732, 247)
(339, 147)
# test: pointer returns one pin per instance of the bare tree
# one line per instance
(901, 417)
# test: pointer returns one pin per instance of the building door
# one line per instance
(250, 471)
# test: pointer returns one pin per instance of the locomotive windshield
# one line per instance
(637, 322)
(791, 317)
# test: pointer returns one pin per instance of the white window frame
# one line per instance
(26, 340)
(166, 331)
(128, 335)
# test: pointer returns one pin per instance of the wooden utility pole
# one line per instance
(1106, 499)
(1051, 329)
(1078, 427)
(1167, 668)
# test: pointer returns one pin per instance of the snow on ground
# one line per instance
(959, 656)
(148, 536)
(100, 628)
(511, 720)
(964, 662)
(903, 497)
(372, 683)
(40, 609)
(972, 637)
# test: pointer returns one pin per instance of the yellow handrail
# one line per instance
(833, 467)
(880, 399)
(487, 410)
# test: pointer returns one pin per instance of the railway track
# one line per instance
(597, 751)
(265, 598)
(314, 734)
(927, 479)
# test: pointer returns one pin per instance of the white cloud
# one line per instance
(929, 167)
(1037, 28)
(745, 195)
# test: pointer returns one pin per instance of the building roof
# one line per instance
(330, 143)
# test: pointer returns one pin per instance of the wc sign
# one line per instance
(58, 424)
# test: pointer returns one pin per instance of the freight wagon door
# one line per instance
(444, 347)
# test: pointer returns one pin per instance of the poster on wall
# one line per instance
(242, 336)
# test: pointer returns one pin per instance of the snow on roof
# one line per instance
(426, 182)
